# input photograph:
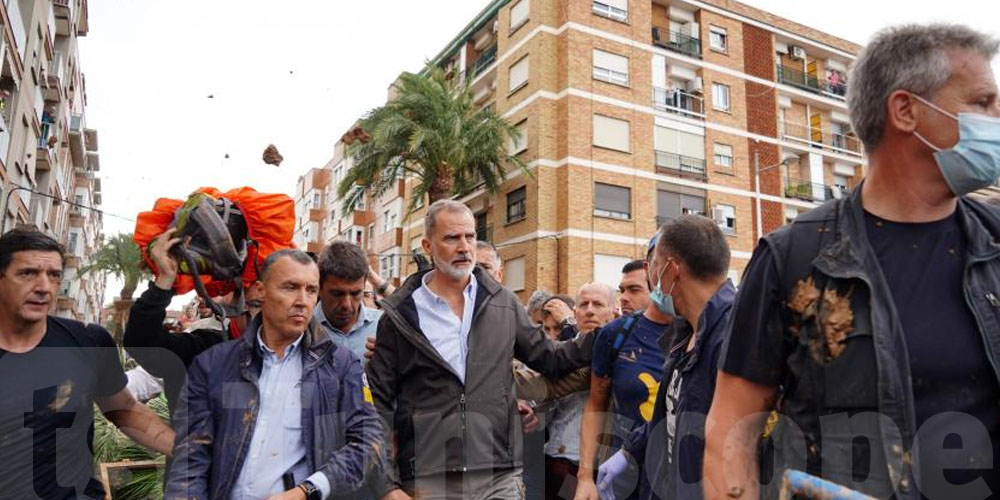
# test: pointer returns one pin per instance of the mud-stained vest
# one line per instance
(846, 400)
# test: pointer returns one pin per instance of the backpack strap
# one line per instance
(621, 336)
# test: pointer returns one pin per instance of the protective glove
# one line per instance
(608, 471)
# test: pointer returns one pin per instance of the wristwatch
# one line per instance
(312, 493)
(383, 287)
(569, 321)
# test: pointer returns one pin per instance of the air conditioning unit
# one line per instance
(696, 85)
(797, 52)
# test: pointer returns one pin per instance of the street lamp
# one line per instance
(785, 159)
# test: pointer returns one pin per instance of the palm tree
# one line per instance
(121, 257)
(433, 130)
(111, 445)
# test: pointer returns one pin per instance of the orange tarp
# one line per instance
(270, 220)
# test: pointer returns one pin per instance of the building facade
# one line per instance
(49, 156)
(634, 112)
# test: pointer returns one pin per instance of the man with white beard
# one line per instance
(441, 378)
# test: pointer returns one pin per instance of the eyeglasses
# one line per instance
(369, 294)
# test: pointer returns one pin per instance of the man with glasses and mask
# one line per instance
(872, 320)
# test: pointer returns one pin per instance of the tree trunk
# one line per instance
(443, 184)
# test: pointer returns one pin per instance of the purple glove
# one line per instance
(608, 471)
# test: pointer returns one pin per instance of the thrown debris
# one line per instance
(272, 156)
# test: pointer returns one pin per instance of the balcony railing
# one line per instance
(678, 101)
(684, 166)
(488, 57)
(832, 87)
(807, 191)
(677, 42)
(798, 79)
(817, 137)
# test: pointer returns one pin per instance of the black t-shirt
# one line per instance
(47, 411)
(923, 265)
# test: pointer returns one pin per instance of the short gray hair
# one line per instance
(485, 245)
(602, 287)
(445, 205)
(911, 57)
(538, 300)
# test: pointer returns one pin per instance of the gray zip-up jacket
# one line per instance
(438, 424)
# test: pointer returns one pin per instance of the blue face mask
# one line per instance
(974, 162)
(665, 303)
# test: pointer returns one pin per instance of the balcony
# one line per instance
(831, 141)
(91, 139)
(683, 166)
(678, 101)
(56, 77)
(834, 86)
(677, 42)
(486, 58)
(807, 191)
(77, 143)
(43, 156)
(316, 214)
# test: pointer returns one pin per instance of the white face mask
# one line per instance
(974, 162)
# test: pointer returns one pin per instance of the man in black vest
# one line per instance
(873, 322)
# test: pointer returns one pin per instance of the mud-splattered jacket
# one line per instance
(218, 411)
(848, 375)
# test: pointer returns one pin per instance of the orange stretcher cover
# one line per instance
(270, 222)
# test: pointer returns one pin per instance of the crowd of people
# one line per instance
(862, 346)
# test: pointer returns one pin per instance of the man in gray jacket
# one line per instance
(441, 377)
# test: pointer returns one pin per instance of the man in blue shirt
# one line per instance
(623, 379)
(281, 413)
(343, 270)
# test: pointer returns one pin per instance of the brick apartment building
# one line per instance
(49, 162)
(633, 112)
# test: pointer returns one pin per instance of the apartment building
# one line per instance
(634, 112)
(310, 209)
(49, 156)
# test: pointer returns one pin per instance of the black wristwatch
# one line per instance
(312, 493)
(381, 289)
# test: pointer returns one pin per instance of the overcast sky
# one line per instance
(297, 73)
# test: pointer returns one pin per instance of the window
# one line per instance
(670, 205)
(371, 234)
(71, 246)
(515, 205)
(718, 39)
(317, 200)
(720, 96)
(392, 220)
(518, 75)
(521, 143)
(609, 67)
(333, 215)
(360, 205)
(611, 133)
(608, 268)
(519, 14)
(724, 157)
(725, 217)
(612, 201)
(513, 274)
(385, 221)
(65, 287)
(358, 237)
(614, 9)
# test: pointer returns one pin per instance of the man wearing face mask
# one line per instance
(689, 275)
(871, 323)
